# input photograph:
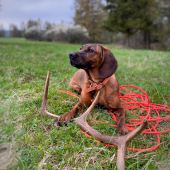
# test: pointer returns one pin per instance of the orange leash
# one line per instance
(132, 101)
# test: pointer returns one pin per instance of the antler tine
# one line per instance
(120, 142)
(43, 106)
(80, 120)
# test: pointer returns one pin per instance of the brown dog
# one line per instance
(96, 63)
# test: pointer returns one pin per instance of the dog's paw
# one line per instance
(64, 119)
(122, 131)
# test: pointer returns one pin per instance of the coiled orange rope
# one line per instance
(132, 101)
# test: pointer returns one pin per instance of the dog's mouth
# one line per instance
(79, 65)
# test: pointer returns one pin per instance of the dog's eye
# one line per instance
(90, 50)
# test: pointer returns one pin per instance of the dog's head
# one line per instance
(95, 56)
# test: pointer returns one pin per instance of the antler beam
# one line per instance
(120, 142)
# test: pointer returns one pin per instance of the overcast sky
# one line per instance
(54, 11)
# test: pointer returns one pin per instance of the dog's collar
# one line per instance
(95, 86)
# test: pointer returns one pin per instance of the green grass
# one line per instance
(35, 142)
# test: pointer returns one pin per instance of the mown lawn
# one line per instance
(31, 141)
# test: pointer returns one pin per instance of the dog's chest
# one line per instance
(102, 98)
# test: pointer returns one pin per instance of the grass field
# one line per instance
(31, 141)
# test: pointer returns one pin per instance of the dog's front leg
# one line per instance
(120, 118)
(84, 100)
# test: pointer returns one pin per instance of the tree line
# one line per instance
(134, 23)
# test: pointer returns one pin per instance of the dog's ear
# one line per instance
(108, 65)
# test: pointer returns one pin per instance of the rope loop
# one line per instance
(133, 101)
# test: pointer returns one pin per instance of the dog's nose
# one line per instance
(72, 55)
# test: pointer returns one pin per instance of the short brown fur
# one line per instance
(96, 63)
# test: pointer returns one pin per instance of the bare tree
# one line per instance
(47, 26)
(23, 28)
(89, 14)
(32, 23)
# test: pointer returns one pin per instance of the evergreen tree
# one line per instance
(14, 32)
(164, 26)
(2, 31)
(129, 16)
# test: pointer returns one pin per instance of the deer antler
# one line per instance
(120, 142)
(43, 106)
